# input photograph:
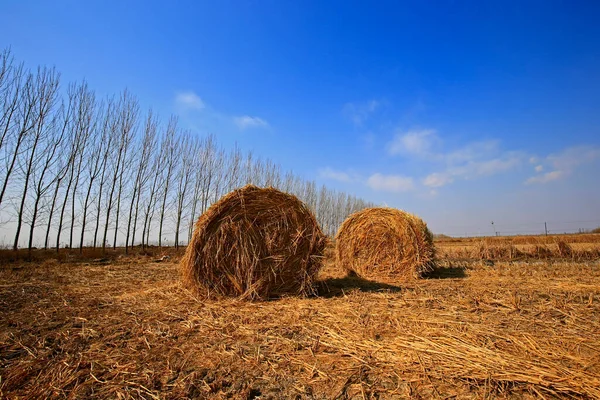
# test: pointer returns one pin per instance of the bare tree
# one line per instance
(64, 160)
(200, 164)
(85, 121)
(209, 160)
(48, 171)
(128, 126)
(99, 147)
(169, 151)
(18, 120)
(76, 152)
(143, 153)
(10, 94)
(218, 175)
(122, 128)
(183, 178)
(42, 95)
(109, 138)
(234, 175)
(152, 195)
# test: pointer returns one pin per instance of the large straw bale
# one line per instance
(254, 243)
(385, 243)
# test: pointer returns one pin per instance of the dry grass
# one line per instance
(579, 247)
(385, 244)
(524, 240)
(126, 329)
(86, 254)
(254, 243)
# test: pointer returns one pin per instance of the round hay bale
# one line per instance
(254, 243)
(385, 243)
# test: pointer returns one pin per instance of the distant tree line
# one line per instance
(80, 171)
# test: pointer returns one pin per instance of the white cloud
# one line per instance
(545, 178)
(564, 163)
(426, 144)
(572, 157)
(475, 159)
(390, 183)
(359, 113)
(495, 166)
(472, 151)
(329, 173)
(189, 100)
(474, 169)
(246, 121)
(438, 179)
(417, 142)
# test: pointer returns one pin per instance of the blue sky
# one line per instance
(461, 112)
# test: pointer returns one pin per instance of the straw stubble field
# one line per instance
(474, 328)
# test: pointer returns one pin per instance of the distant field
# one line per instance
(116, 326)
(576, 247)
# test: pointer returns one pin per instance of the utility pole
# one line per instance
(546, 228)
(494, 228)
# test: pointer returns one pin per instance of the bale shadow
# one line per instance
(446, 272)
(338, 287)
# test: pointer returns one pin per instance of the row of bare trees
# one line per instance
(80, 171)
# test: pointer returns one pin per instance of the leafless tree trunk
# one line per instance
(54, 143)
(77, 149)
(85, 114)
(17, 123)
(11, 86)
(234, 166)
(64, 160)
(99, 150)
(183, 178)
(129, 124)
(144, 153)
(218, 174)
(107, 133)
(152, 196)
(209, 155)
(43, 96)
(200, 164)
(169, 151)
(122, 128)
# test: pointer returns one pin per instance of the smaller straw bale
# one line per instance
(254, 243)
(385, 243)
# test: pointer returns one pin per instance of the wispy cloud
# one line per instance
(545, 178)
(414, 142)
(474, 169)
(189, 100)
(360, 112)
(330, 173)
(472, 160)
(438, 179)
(573, 157)
(376, 181)
(246, 121)
(390, 183)
(564, 163)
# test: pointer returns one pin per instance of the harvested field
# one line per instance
(126, 328)
(575, 247)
